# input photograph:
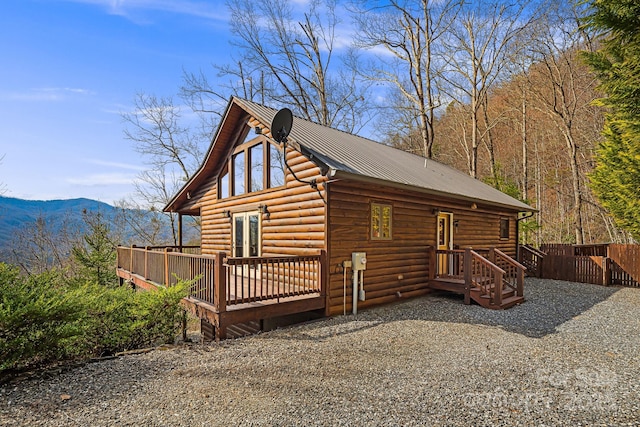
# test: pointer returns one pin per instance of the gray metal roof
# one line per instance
(346, 154)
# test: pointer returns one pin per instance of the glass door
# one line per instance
(246, 235)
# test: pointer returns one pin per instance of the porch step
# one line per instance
(508, 300)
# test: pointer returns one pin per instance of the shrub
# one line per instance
(45, 319)
(38, 318)
(119, 319)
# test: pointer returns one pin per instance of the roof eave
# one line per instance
(338, 174)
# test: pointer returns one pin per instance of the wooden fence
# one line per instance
(602, 264)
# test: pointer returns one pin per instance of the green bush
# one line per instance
(45, 319)
(120, 319)
(38, 318)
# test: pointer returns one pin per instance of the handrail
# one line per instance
(514, 271)
(532, 259)
(485, 276)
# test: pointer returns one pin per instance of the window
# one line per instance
(223, 185)
(504, 228)
(256, 155)
(276, 167)
(381, 220)
(255, 165)
(238, 174)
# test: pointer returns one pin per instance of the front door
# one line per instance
(246, 235)
(445, 242)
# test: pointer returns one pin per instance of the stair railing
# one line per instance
(483, 275)
(532, 259)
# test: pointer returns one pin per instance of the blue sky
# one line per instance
(71, 67)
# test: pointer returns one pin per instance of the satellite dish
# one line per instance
(281, 125)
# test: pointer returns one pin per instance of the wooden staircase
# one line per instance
(493, 280)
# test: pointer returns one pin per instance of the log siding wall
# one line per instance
(400, 266)
(295, 223)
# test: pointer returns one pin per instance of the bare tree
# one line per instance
(564, 89)
(480, 46)
(287, 59)
(407, 33)
(171, 150)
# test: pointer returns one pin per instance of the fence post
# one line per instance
(467, 276)
(606, 271)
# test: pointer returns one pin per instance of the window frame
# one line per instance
(382, 207)
(505, 229)
(246, 150)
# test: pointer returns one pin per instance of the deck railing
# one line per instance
(449, 263)
(225, 281)
(261, 278)
(488, 271)
(513, 271)
(484, 275)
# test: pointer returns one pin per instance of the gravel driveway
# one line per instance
(570, 355)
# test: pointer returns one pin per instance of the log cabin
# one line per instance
(328, 222)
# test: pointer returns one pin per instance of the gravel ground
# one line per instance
(569, 356)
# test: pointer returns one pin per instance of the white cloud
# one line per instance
(116, 165)
(48, 94)
(102, 179)
(125, 8)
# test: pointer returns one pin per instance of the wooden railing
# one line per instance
(489, 271)
(225, 281)
(513, 271)
(261, 278)
(167, 267)
(483, 275)
(532, 258)
(449, 263)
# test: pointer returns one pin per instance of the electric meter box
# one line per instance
(359, 261)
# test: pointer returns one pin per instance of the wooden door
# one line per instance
(445, 242)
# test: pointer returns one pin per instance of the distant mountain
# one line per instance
(16, 214)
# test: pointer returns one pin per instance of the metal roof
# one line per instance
(351, 156)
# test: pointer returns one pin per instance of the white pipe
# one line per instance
(354, 295)
(344, 291)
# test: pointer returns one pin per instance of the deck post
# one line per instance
(131, 258)
(520, 283)
(220, 283)
(467, 276)
(146, 262)
(497, 295)
(324, 279)
(492, 254)
(166, 267)
(431, 261)
(220, 295)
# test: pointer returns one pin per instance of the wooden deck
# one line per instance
(493, 279)
(230, 291)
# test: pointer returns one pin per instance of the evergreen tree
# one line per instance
(616, 178)
(96, 255)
